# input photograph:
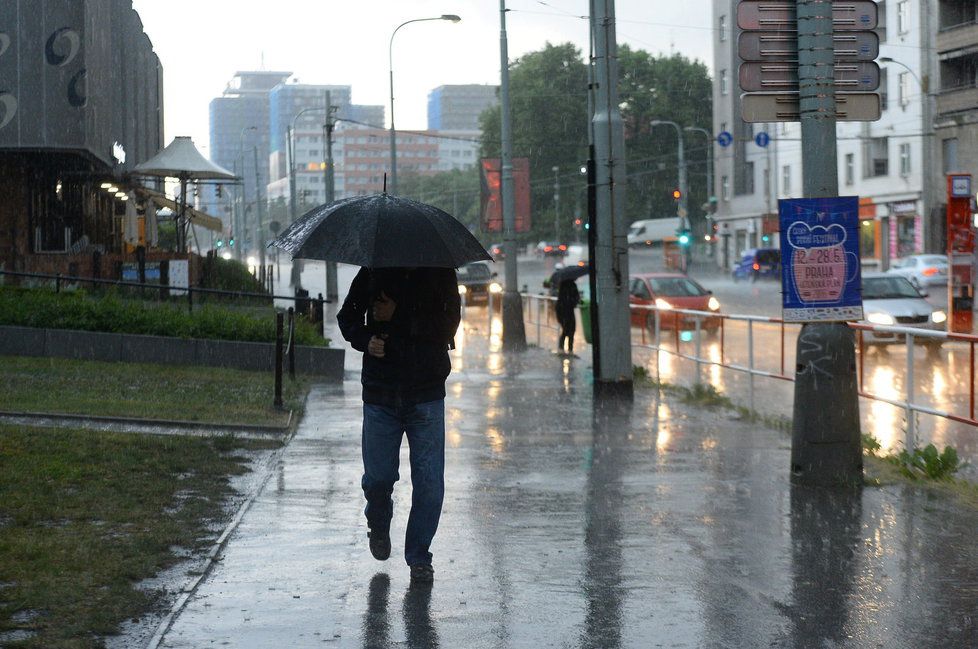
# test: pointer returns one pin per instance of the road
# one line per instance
(941, 380)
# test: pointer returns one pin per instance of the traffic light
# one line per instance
(219, 191)
(577, 224)
(220, 243)
(231, 242)
(765, 238)
(676, 194)
(685, 236)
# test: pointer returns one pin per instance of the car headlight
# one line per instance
(880, 318)
(662, 304)
(938, 317)
(495, 288)
(714, 304)
(462, 289)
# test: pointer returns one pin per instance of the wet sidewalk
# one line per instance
(663, 525)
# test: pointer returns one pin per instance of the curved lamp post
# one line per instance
(390, 58)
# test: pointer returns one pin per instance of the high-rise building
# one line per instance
(457, 108)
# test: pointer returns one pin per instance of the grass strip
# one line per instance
(200, 394)
(84, 516)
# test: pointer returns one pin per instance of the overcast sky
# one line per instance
(202, 43)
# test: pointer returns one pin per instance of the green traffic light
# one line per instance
(684, 239)
(220, 243)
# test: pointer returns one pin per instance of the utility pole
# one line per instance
(613, 376)
(826, 446)
(329, 177)
(261, 213)
(556, 171)
(514, 333)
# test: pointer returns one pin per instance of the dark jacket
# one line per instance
(568, 298)
(416, 362)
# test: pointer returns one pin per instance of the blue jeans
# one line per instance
(383, 427)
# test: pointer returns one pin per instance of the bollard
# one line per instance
(322, 314)
(57, 283)
(190, 298)
(826, 447)
(292, 343)
(278, 360)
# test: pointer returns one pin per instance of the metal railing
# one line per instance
(653, 339)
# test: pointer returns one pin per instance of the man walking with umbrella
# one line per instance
(404, 320)
(402, 312)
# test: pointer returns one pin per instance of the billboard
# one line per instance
(491, 206)
(820, 264)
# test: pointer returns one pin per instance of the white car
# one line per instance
(891, 300)
(921, 270)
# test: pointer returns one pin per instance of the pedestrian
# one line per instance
(404, 321)
(567, 299)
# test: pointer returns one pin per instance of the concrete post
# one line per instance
(826, 446)
(613, 375)
(514, 333)
(329, 175)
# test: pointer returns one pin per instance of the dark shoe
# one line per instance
(422, 574)
(380, 545)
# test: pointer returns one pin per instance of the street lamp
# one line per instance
(390, 58)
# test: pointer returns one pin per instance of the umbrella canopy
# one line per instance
(568, 273)
(381, 231)
(181, 158)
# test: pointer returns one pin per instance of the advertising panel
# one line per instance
(491, 206)
(820, 267)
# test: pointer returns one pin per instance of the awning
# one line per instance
(196, 217)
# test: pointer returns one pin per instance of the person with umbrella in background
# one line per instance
(402, 312)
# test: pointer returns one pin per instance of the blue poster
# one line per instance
(820, 268)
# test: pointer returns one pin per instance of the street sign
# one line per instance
(783, 107)
(783, 46)
(820, 267)
(724, 139)
(762, 139)
(855, 76)
(781, 15)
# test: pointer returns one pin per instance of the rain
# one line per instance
(672, 302)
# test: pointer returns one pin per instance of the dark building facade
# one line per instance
(81, 103)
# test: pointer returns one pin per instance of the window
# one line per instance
(725, 188)
(723, 82)
(850, 168)
(876, 157)
(749, 178)
(903, 17)
(903, 89)
(905, 159)
(786, 180)
(722, 27)
(949, 151)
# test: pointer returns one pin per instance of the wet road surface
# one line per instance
(659, 525)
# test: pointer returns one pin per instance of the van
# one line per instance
(649, 232)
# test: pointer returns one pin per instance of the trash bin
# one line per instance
(586, 320)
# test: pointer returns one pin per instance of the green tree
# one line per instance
(548, 95)
(457, 192)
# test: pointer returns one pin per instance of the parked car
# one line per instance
(671, 291)
(921, 270)
(551, 249)
(497, 251)
(891, 300)
(476, 281)
(758, 262)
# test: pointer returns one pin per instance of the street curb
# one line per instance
(212, 555)
(165, 425)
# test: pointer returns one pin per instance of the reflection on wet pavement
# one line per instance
(655, 524)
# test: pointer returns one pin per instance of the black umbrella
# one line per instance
(381, 231)
(568, 273)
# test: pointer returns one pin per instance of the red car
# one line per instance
(671, 291)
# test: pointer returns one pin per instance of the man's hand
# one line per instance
(376, 347)
(383, 308)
